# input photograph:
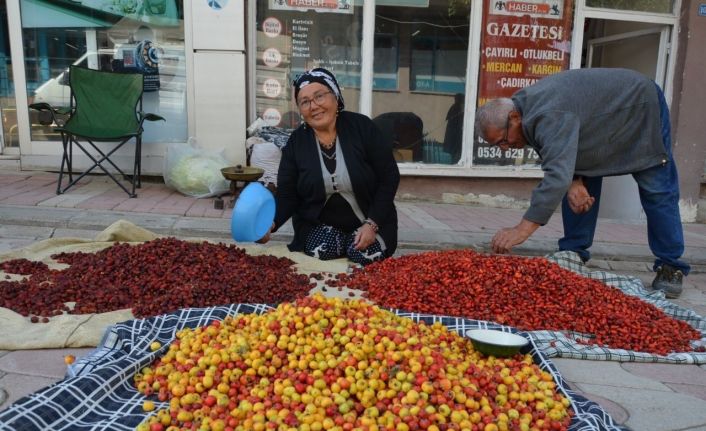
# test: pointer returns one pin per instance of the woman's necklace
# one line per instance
(327, 146)
(324, 153)
(326, 149)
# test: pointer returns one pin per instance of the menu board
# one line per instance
(522, 42)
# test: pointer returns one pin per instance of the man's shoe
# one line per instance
(668, 280)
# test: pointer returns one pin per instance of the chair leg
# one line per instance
(139, 162)
(70, 159)
(64, 161)
(97, 163)
(136, 166)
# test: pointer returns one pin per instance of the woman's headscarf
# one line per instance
(322, 76)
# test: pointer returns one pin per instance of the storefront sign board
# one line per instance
(522, 42)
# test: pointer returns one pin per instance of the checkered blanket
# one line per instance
(553, 343)
(99, 394)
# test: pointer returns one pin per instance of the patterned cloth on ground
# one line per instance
(560, 344)
(327, 242)
(99, 394)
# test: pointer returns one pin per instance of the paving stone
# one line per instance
(76, 195)
(668, 373)
(615, 410)
(17, 386)
(26, 232)
(631, 267)
(93, 220)
(41, 363)
(75, 233)
(422, 217)
(698, 391)
(10, 245)
(604, 373)
(598, 264)
(34, 216)
(3, 396)
(651, 410)
(194, 226)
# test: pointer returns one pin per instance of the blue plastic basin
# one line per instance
(253, 213)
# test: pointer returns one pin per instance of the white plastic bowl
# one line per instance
(496, 343)
(253, 213)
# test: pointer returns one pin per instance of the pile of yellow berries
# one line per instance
(332, 364)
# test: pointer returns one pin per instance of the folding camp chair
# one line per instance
(104, 107)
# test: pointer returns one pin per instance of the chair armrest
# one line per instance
(150, 117)
(41, 107)
(47, 107)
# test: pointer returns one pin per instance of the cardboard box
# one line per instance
(402, 155)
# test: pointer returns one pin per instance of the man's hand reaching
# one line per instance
(505, 239)
(579, 199)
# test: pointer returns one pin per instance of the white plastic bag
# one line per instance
(194, 171)
(265, 155)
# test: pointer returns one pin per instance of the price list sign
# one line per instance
(522, 42)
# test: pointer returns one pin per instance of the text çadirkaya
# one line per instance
(532, 31)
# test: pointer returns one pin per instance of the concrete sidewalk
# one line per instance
(30, 199)
(640, 396)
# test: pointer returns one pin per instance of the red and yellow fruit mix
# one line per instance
(332, 364)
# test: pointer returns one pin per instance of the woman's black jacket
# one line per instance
(371, 167)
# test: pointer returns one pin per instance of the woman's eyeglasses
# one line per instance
(318, 98)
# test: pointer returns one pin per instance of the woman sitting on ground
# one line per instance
(337, 178)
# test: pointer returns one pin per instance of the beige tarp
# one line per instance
(86, 330)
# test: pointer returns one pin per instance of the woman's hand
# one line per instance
(266, 238)
(364, 237)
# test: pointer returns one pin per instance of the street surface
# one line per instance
(641, 396)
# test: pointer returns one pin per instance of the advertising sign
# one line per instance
(295, 36)
(335, 6)
(522, 42)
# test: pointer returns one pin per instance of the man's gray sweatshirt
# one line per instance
(589, 122)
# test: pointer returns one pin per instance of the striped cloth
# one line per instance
(98, 392)
(560, 344)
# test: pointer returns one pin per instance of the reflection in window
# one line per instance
(438, 63)
(385, 63)
(8, 115)
(424, 117)
(123, 36)
(657, 6)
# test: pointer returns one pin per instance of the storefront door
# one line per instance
(637, 46)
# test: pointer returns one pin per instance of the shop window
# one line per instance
(656, 6)
(424, 118)
(438, 64)
(8, 110)
(121, 36)
(385, 64)
(292, 39)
